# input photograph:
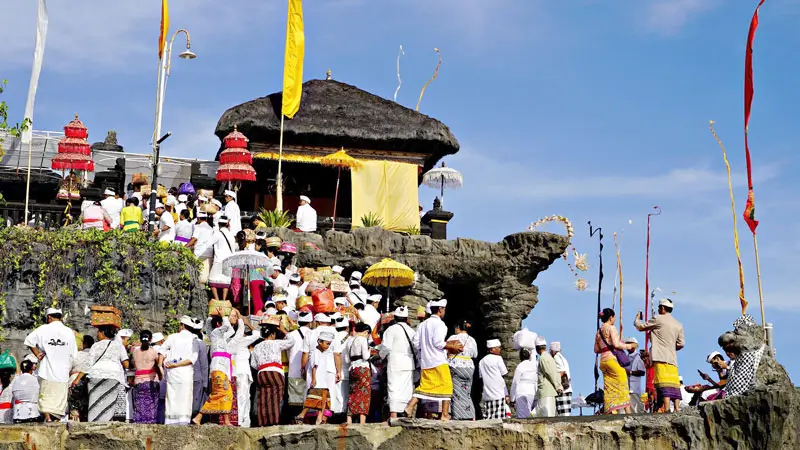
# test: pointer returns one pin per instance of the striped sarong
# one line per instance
(103, 396)
(462, 407)
(494, 409)
(564, 404)
(270, 394)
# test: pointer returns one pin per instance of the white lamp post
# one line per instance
(164, 69)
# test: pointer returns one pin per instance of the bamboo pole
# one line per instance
(760, 292)
(279, 182)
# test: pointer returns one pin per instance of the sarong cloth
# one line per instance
(435, 384)
(234, 405)
(494, 409)
(525, 404)
(360, 391)
(270, 394)
(616, 392)
(145, 402)
(217, 277)
(53, 397)
(220, 401)
(178, 403)
(103, 396)
(564, 404)
(296, 391)
(667, 381)
(462, 372)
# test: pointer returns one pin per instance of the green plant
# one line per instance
(371, 220)
(275, 219)
(17, 129)
(412, 230)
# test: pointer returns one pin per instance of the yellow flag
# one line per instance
(162, 38)
(293, 60)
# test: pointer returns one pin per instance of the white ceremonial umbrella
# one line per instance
(443, 177)
(246, 259)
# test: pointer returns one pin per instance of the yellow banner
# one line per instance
(162, 38)
(293, 59)
(388, 190)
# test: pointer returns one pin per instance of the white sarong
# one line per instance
(545, 407)
(180, 386)
(243, 400)
(400, 385)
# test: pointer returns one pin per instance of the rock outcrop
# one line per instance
(489, 283)
(765, 419)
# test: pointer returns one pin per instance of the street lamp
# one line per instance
(164, 70)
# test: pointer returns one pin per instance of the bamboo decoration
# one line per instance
(619, 271)
(399, 81)
(742, 300)
(435, 74)
(580, 258)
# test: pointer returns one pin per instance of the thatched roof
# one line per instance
(334, 114)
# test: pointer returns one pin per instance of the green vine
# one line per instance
(71, 268)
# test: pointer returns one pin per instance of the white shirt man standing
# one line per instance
(54, 345)
(397, 347)
(177, 355)
(296, 388)
(638, 370)
(166, 224)
(113, 207)
(233, 212)
(306, 215)
(202, 245)
(492, 369)
(563, 400)
(436, 383)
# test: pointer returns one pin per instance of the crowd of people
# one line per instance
(304, 345)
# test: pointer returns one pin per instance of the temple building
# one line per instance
(394, 145)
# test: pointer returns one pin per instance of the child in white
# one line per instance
(495, 393)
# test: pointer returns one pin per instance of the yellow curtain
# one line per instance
(388, 189)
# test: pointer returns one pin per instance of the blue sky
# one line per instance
(594, 110)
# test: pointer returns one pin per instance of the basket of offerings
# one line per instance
(339, 286)
(219, 307)
(105, 316)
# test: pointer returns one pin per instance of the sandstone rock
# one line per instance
(764, 419)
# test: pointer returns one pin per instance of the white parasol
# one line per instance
(443, 177)
(246, 259)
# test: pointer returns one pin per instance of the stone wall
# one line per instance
(765, 419)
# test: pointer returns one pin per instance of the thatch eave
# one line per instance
(334, 114)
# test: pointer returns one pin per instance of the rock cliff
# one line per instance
(489, 283)
(761, 420)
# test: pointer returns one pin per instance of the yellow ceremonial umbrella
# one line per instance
(389, 273)
(340, 160)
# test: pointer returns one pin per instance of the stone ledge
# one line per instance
(764, 419)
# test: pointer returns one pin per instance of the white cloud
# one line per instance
(523, 180)
(668, 17)
(97, 36)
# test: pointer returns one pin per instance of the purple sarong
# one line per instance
(145, 402)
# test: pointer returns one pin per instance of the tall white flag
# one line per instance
(42, 20)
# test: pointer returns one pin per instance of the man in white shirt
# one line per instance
(370, 315)
(223, 244)
(216, 216)
(177, 355)
(182, 199)
(233, 212)
(113, 207)
(492, 369)
(54, 346)
(278, 279)
(638, 370)
(306, 215)
(183, 229)
(166, 224)
(202, 245)
(563, 400)
(293, 290)
(396, 346)
(296, 388)
(435, 381)
(240, 351)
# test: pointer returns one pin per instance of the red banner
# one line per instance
(750, 207)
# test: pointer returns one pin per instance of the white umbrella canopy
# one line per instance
(443, 177)
(249, 258)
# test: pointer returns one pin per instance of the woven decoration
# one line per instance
(580, 258)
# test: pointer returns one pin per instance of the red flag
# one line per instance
(750, 207)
